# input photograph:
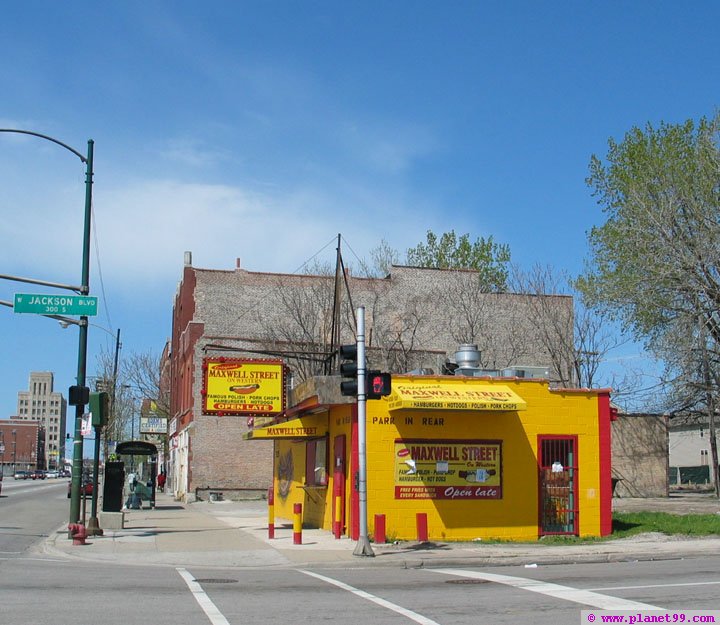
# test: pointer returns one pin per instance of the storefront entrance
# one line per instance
(558, 485)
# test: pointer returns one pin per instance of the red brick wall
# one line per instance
(222, 460)
(27, 435)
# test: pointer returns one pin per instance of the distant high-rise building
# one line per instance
(41, 403)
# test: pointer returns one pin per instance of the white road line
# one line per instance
(586, 597)
(676, 584)
(413, 616)
(211, 611)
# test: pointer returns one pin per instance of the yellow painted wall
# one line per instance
(317, 502)
(514, 517)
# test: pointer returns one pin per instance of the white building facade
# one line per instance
(41, 403)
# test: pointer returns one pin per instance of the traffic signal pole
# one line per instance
(363, 547)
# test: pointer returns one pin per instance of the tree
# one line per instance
(301, 328)
(474, 310)
(656, 257)
(577, 338)
(490, 259)
(141, 372)
(382, 258)
(655, 263)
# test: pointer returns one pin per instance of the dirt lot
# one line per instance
(676, 503)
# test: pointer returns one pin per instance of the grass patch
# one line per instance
(631, 523)
(627, 524)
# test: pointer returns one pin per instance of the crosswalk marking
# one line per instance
(413, 616)
(586, 597)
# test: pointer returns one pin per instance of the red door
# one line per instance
(558, 485)
(339, 477)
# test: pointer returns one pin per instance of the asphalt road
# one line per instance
(36, 588)
(83, 592)
(29, 511)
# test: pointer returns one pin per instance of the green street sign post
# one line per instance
(44, 304)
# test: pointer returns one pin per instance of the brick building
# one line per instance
(22, 445)
(415, 320)
(640, 449)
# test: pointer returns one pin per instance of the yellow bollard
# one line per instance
(297, 524)
(337, 526)
(271, 512)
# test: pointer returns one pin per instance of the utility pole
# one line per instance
(363, 547)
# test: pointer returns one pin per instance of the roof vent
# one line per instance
(523, 371)
(467, 356)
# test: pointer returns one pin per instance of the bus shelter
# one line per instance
(144, 472)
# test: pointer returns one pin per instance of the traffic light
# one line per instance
(99, 408)
(348, 369)
(377, 384)
(78, 395)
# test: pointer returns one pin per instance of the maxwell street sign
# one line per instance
(43, 304)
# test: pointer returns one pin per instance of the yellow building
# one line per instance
(448, 458)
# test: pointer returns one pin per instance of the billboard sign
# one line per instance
(153, 425)
(448, 469)
(455, 395)
(243, 387)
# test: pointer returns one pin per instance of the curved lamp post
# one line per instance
(84, 289)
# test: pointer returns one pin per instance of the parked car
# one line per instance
(22, 475)
(52, 474)
(38, 474)
(86, 488)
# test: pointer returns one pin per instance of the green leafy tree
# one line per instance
(655, 262)
(449, 251)
(656, 257)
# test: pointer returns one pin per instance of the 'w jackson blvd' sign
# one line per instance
(43, 304)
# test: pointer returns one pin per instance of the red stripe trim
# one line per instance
(605, 449)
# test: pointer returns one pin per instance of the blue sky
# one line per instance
(261, 130)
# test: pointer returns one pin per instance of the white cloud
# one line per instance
(144, 228)
(191, 152)
(388, 148)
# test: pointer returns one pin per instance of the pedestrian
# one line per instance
(161, 481)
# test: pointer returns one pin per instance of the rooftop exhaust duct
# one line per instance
(467, 356)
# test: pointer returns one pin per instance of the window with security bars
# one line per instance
(557, 459)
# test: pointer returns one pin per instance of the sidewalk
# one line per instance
(234, 534)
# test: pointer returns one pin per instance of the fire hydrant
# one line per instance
(78, 533)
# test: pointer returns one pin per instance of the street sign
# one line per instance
(153, 425)
(44, 304)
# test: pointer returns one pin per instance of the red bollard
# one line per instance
(380, 529)
(297, 524)
(422, 527)
(271, 512)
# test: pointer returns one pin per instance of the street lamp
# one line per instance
(84, 289)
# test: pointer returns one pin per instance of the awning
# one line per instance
(311, 426)
(453, 395)
(135, 448)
